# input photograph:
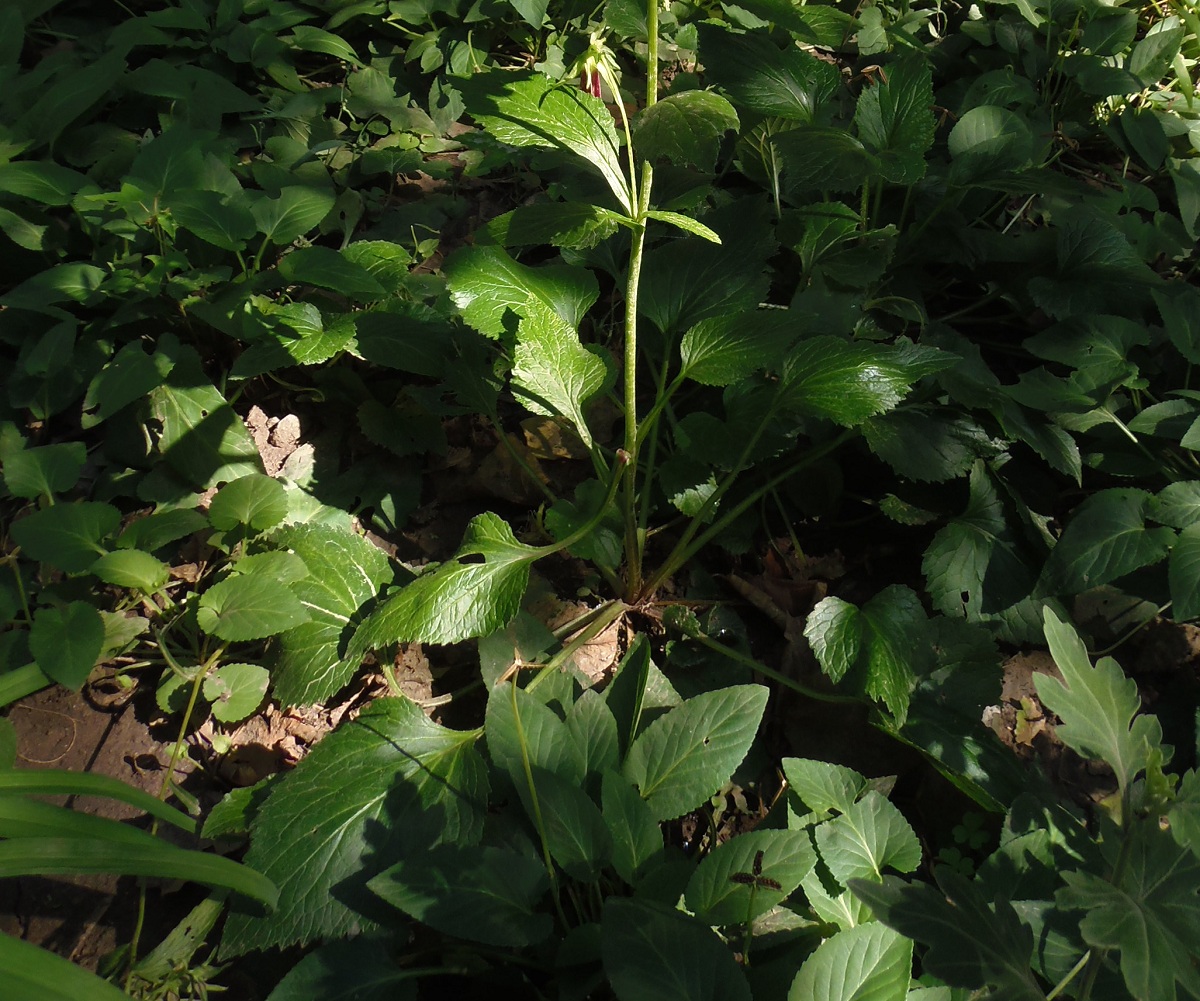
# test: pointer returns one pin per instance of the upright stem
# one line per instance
(651, 52)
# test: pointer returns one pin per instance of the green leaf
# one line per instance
(553, 374)
(869, 837)
(894, 118)
(1106, 538)
(67, 536)
(851, 381)
(974, 565)
(61, 856)
(131, 568)
(637, 840)
(311, 39)
(685, 223)
(718, 892)
(576, 835)
(970, 944)
(818, 158)
(626, 694)
(758, 75)
(521, 732)
(886, 643)
(1180, 309)
(66, 641)
(1110, 31)
(236, 690)
(533, 12)
(156, 530)
(1151, 58)
(41, 181)
(249, 607)
(1183, 574)
(51, 782)
(40, 472)
(326, 268)
(200, 437)
(388, 782)
(224, 220)
(655, 953)
(822, 785)
(928, 447)
(682, 758)
(594, 730)
(987, 142)
(34, 974)
(459, 600)
(685, 128)
(482, 894)
(297, 210)
(128, 377)
(867, 963)
(529, 110)
(1097, 706)
(1151, 915)
(309, 665)
(561, 224)
(254, 501)
(486, 284)
(723, 350)
(1177, 504)
(356, 969)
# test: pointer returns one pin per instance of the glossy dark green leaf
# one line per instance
(929, 446)
(42, 181)
(1183, 573)
(156, 530)
(326, 268)
(723, 350)
(387, 780)
(576, 834)
(522, 731)
(818, 158)
(560, 224)
(894, 118)
(128, 377)
(224, 220)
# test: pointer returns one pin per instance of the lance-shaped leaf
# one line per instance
(553, 374)
(1106, 538)
(1151, 916)
(868, 963)
(682, 758)
(851, 381)
(872, 835)
(486, 283)
(1097, 706)
(685, 128)
(970, 945)
(527, 109)
(389, 782)
(461, 599)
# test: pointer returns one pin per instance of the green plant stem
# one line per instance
(616, 478)
(777, 676)
(604, 616)
(1096, 958)
(651, 52)
(1062, 984)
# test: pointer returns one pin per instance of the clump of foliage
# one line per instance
(934, 270)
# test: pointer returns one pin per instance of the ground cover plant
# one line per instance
(712, 287)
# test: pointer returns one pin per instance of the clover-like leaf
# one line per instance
(461, 599)
(1097, 706)
(388, 782)
(682, 758)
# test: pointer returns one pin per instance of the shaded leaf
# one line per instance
(685, 128)
(66, 641)
(254, 501)
(44, 471)
(868, 963)
(67, 536)
(782, 857)
(723, 350)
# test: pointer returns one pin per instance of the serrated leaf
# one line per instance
(530, 110)
(66, 641)
(521, 732)
(886, 644)
(723, 350)
(326, 268)
(309, 663)
(553, 374)
(820, 158)
(869, 837)
(249, 607)
(868, 963)
(42, 181)
(782, 857)
(1106, 538)
(486, 283)
(851, 381)
(577, 225)
(685, 223)
(67, 536)
(637, 839)
(1183, 574)
(653, 953)
(459, 600)
(1097, 706)
(974, 565)
(682, 758)
(482, 894)
(131, 568)
(822, 785)
(255, 501)
(293, 213)
(928, 447)
(1177, 504)
(758, 75)
(894, 118)
(685, 128)
(594, 730)
(970, 945)
(236, 690)
(387, 780)
(44, 471)
(1151, 916)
